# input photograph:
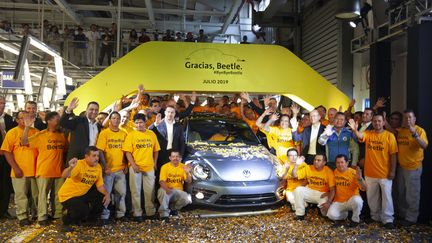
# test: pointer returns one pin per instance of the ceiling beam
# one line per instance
(64, 6)
(83, 7)
(150, 12)
(231, 15)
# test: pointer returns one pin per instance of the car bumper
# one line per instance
(237, 194)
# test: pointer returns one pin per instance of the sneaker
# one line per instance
(173, 213)
(44, 222)
(389, 226)
(337, 223)
(24, 222)
(299, 218)
(138, 219)
(369, 221)
(103, 222)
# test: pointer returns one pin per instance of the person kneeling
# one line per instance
(320, 188)
(172, 177)
(79, 194)
(347, 197)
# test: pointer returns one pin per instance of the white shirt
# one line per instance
(364, 126)
(170, 128)
(2, 125)
(93, 36)
(313, 138)
(93, 132)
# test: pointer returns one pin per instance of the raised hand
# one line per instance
(187, 168)
(158, 119)
(328, 131)
(295, 109)
(73, 104)
(73, 162)
(141, 88)
(274, 117)
(352, 103)
(245, 95)
(266, 100)
(300, 160)
(294, 123)
(28, 119)
(193, 97)
(268, 111)
(352, 124)
(380, 103)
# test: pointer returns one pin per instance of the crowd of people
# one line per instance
(74, 164)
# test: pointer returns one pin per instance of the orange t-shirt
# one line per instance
(24, 156)
(379, 148)
(346, 185)
(51, 147)
(282, 141)
(410, 154)
(321, 180)
(252, 125)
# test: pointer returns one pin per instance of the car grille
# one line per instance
(247, 199)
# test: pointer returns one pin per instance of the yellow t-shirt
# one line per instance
(346, 185)
(293, 183)
(24, 156)
(127, 128)
(410, 154)
(321, 180)
(142, 145)
(111, 144)
(379, 148)
(173, 176)
(283, 141)
(51, 147)
(82, 178)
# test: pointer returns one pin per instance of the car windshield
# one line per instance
(220, 131)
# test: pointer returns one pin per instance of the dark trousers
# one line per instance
(105, 50)
(5, 185)
(87, 207)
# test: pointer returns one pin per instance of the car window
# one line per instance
(220, 131)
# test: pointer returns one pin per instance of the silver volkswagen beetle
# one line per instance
(230, 166)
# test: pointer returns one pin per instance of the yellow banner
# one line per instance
(186, 67)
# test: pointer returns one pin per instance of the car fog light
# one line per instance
(199, 195)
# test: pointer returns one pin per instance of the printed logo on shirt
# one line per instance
(174, 178)
(375, 145)
(144, 143)
(342, 181)
(54, 144)
(115, 143)
(317, 181)
(403, 140)
(88, 179)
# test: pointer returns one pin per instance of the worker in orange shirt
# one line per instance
(51, 145)
(22, 160)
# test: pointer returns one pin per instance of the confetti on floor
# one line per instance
(276, 226)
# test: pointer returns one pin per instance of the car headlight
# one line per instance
(201, 171)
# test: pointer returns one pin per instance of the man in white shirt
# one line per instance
(309, 136)
(83, 130)
(93, 37)
(170, 135)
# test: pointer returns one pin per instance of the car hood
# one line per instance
(236, 161)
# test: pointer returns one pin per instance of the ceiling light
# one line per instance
(348, 9)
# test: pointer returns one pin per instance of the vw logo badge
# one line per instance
(246, 173)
